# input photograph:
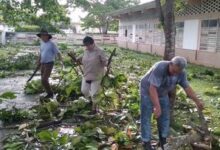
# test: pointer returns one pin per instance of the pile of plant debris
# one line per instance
(16, 58)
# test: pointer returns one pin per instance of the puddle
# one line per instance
(17, 84)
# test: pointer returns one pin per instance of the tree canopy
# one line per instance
(98, 13)
(43, 13)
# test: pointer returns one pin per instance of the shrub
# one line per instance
(28, 28)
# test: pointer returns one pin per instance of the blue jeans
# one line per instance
(163, 121)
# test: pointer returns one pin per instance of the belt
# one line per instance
(51, 62)
(89, 81)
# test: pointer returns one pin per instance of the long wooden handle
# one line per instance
(108, 65)
(73, 57)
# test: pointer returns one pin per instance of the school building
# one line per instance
(197, 31)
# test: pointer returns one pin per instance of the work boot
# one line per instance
(49, 95)
(147, 146)
(162, 142)
(94, 108)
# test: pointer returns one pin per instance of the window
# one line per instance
(129, 32)
(158, 35)
(180, 25)
(218, 41)
(205, 23)
(148, 32)
(179, 34)
(140, 33)
(213, 23)
(209, 35)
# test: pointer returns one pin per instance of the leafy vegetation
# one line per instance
(14, 115)
(15, 58)
(33, 87)
(18, 63)
(63, 46)
(118, 124)
(8, 95)
(28, 28)
(51, 14)
(98, 13)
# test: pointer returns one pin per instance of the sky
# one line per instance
(78, 13)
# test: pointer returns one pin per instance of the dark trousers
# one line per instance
(46, 69)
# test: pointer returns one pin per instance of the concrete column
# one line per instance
(3, 38)
(133, 33)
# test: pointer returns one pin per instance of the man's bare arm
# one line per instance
(191, 94)
(155, 100)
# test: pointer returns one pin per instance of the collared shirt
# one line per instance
(48, 51)
(159, 76)
(94, 62)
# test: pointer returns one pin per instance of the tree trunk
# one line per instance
(169, 30)
(105, 28)
(167, 19)
(100, 30)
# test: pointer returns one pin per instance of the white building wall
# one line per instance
(191, 34)
(132, 24)
(133, 31)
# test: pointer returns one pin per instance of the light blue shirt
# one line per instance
(159, 76)
(48, 51)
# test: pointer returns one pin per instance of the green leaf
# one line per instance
(33, 87)
(44, 136)
(121, 137)
(76, 140)
(52, 106)
(109, 130)
(216, 131)
(92, 145)
(8, 95)
(78, 129)
(13, 146)
(54, 134)
(64, 139)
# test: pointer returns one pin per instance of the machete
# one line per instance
(34, 73)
